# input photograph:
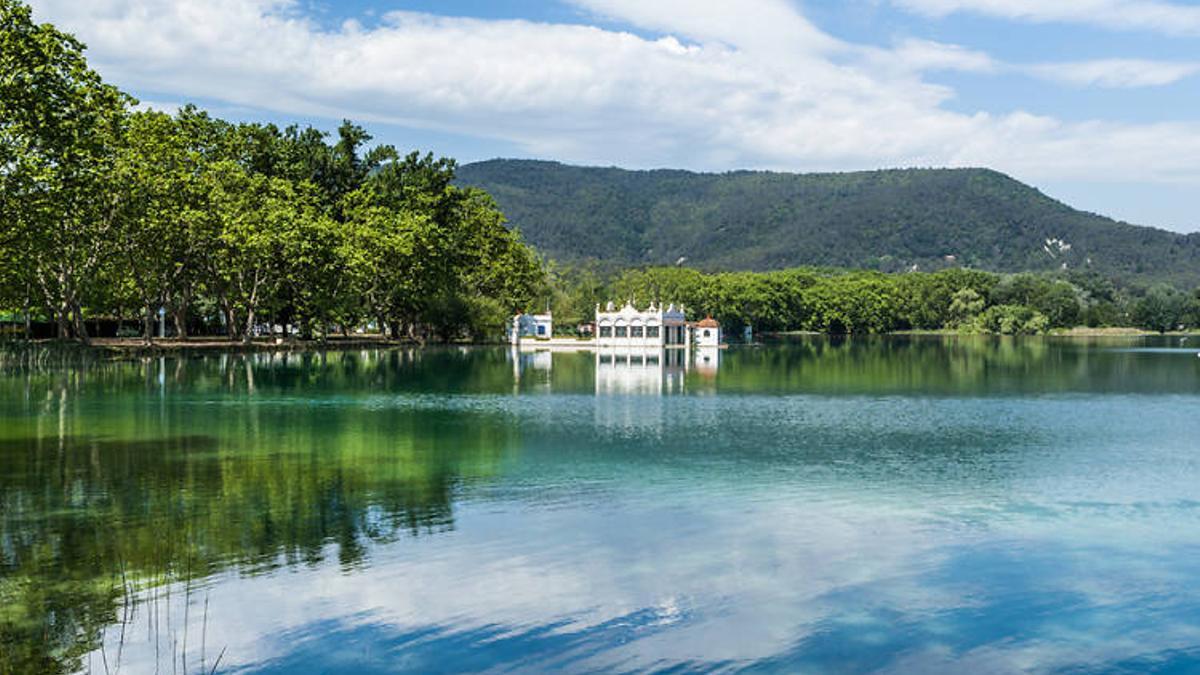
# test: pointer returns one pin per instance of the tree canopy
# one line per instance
(110, 211)
(831, 300)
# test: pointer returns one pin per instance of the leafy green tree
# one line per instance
(1163, 308)
(1060, 303)
(59, 126)
(965, 305)
(1012, 320)
(154, 174)
(390, 264)
(261, 220)
(1193, 312)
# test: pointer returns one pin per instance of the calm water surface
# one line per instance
(888, 505)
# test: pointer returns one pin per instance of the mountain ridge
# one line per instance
(888, 219)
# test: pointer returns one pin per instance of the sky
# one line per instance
(1095, 102)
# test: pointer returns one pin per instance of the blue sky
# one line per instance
(1096, 102)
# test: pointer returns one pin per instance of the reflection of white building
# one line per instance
(536, 326)
(639, 371)
(628, 326)
(531, 367)
(708, 360)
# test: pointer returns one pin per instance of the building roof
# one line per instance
(708, 322)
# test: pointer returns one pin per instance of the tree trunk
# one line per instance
(231, 325)
(61, 317)
(80, 326)
(28, 326)
(248, 335)
(180, 318)
(179, 312)
(148, 326)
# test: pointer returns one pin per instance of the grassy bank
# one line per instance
(214, 344)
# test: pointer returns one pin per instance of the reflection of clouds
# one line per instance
(712, 592)
(780, 584)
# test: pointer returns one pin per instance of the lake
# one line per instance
(902, 505)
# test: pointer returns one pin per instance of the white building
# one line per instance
(708, 333)
(631, 327)
(536, 326)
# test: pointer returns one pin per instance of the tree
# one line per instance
(59, 127)
(965, 305)
(1162, 309)
(1060, 302)
(155, 176)
(259, 217)
(1012, 320)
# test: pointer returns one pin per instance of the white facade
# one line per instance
(535, 326)
(631, 327)
(708, 333)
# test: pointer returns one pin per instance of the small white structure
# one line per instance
(708, 333)
(536, 326)
(631, 327)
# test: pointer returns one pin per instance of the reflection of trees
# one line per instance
(95, 494)
(953, 365)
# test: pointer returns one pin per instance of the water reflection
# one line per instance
(896, 504)
(708, 361)
(650, 371)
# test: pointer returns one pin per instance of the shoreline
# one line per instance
(123, 347)
(1078, 332)
(134, 347)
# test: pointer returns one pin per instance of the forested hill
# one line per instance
(888, 220)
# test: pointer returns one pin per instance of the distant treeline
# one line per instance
(109, 212)
(841, 301)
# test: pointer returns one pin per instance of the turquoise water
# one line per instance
(906, 505)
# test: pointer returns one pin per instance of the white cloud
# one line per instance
(1152, 15)
(924, 55)
(1116, 73)
(755, 86)
(767, 25)
(159, 106)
